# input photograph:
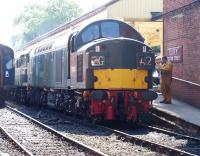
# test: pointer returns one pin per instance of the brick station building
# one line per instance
(182, 46)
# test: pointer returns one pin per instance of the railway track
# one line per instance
(95, 137)
(10, 146)
(171, 133)
(164, 146)
(40, 139)
(164, 123)
(145, 142)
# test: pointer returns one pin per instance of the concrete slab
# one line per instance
(179, 109)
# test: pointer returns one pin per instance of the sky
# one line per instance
(11, 8)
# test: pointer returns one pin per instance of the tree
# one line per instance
(37, 19)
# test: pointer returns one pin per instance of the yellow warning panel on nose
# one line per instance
(120, 79)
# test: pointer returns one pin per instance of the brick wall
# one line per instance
(182, 28)
(170, 5)
(186, 92)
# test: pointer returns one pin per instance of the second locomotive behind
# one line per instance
(102, 70)
(6, 71)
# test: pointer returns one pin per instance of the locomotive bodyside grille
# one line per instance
(80, 68)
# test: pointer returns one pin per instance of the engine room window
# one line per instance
(110, 29)
(90, 33)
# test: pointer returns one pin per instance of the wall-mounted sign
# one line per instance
(175, 54)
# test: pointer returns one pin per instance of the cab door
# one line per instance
(72, 61)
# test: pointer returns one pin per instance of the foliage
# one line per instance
(37, 19)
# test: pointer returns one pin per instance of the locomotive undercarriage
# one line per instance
(97, 105)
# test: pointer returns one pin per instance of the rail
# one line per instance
(170, 132)
(16, 142)
(153, 146)
(73, 141)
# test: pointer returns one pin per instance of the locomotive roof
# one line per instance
(61, 39)
(21, 52)
(6, 49)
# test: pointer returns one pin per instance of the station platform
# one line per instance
(179, 110)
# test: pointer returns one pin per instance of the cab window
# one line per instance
(90, 33)
(110, 29)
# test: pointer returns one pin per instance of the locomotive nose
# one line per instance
(115, 65)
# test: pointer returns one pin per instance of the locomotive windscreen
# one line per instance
(106, 29)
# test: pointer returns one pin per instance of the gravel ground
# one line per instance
(167, 140)
(6, 146)
(159, 138)
(104, 141)
(37, 140)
